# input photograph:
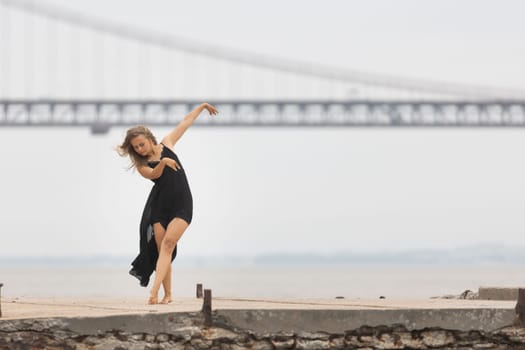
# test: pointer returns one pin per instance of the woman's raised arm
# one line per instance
(185, 123)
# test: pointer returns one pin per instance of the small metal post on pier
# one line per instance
(520, 307)
(206, 307)
(199, 290)
(1, 285)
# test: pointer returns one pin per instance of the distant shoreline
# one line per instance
(484, 254)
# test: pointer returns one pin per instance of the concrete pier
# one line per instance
(238, 323)
(269, 315)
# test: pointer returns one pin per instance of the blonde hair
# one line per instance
(126, 148)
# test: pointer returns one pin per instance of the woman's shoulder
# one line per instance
(166, 148)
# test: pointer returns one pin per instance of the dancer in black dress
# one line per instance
(169, 208)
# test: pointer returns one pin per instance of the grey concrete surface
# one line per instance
(93, 316)
(338, 321)
(498, 293)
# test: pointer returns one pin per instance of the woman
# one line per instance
(169, 208)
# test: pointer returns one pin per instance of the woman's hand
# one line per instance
(186, 122)
(211, 109)
(171, 163)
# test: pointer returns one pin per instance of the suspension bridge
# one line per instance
(62, 68)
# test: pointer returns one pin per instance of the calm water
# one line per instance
(363, 281)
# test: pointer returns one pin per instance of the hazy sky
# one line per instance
(464, 41)
(65, 192)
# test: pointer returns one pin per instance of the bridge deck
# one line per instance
(101, 115)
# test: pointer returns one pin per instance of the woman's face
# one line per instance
(142, 145)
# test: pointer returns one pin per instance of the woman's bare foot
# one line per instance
(153, 300)
(166, 300)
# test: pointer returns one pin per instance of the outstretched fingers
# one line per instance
(211, 109)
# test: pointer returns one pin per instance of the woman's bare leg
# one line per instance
(173, 233)
(166, 283)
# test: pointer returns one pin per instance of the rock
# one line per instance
(149, 338)
(226, 346)
(261, 345)
(137, 337)
(485, 346)
(162, 338)
(283, 344)
(110, 344)
(515, 334)
(313, 336)
(353, 341)
(201, 344)
(437, 338)
(306, 344)
(91, 340)
(234, 347)
(409, 341)
(187, 333)
(389, 341)
(219, 334)
(153, 347)
(468, 294)
(337, 343)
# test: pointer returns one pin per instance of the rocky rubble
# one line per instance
(49, 334)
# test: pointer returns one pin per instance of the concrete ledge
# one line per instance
(140, 323)
(498, 293)
(339, 321)
(149, 323)
(260, 315)
(274, 321)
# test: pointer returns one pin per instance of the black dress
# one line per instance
(169, 198)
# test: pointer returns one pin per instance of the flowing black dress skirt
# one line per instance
(145, 263)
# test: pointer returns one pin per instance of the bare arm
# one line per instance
(185, 123)
(156, 172)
